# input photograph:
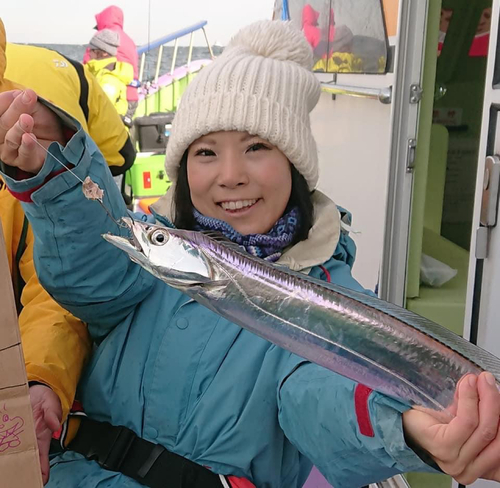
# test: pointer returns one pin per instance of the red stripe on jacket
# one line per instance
(361, 395)
(239, 482)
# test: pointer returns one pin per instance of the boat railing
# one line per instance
(162, 41)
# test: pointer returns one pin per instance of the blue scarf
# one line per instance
(268, 246)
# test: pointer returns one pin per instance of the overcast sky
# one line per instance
(71, 22)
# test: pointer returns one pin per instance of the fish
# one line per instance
(383, 346)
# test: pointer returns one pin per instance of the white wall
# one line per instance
(353, 137)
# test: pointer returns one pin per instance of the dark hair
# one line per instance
(300, 197)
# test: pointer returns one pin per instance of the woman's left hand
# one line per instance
(468, 447)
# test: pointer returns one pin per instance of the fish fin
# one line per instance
(223, 240)
(214, 234)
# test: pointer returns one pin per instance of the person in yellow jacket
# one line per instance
(112, 75)
(56, 345)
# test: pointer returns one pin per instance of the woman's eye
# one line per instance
(205, 152)
(257, 147)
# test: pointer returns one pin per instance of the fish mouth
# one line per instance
(131, 244)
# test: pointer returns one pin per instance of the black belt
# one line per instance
(120, 449)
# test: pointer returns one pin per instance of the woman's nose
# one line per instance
(232, 172)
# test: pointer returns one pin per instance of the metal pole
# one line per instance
(174, 58)
(158, 63)
(208, 44)
(190, 48)
(143, 61)
(384, 95)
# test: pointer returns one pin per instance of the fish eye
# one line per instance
(158, 237)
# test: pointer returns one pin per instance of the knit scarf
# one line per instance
(268, 246)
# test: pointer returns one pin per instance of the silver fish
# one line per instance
(385, 347)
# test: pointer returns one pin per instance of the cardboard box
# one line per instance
(19, 461)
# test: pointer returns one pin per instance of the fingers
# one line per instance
(17, 144)
(52, 420)
(487, 462)
(462, 427)
(14, 138)
(481, 454)
(6, 99)
(27, 128)
(29, 154)
(453, 408)
(23, 103)
(44, 465)
(489, 414)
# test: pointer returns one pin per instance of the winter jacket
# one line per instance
(112, 18)
(113, 76)
(179, 375)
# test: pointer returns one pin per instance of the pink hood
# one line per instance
(310, 25)
(109, 18)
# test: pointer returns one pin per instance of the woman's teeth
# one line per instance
(237, 205)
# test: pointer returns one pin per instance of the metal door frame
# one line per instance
(409, 68)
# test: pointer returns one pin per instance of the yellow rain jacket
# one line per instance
(71, 86)
(113, 76)
(55, 344)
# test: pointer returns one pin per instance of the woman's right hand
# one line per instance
(468, 447)
(23, 120)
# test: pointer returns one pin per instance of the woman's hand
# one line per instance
(47, 413)
(468, 447)
(23, 120)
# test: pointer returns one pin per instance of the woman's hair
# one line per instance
(300, 197)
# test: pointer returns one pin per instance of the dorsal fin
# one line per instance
(223, 240)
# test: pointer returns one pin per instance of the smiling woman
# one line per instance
(244, 187)
(240, 179)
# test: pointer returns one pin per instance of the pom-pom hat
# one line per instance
(261, 84)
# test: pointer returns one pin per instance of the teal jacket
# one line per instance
(181, 376)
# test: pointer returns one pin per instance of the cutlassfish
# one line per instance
(381, 345)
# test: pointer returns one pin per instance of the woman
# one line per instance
(244, 162)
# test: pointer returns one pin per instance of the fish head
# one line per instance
(166, 253)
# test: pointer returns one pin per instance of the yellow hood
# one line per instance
(5, 85)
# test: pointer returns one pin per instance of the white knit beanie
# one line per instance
(261, 84)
